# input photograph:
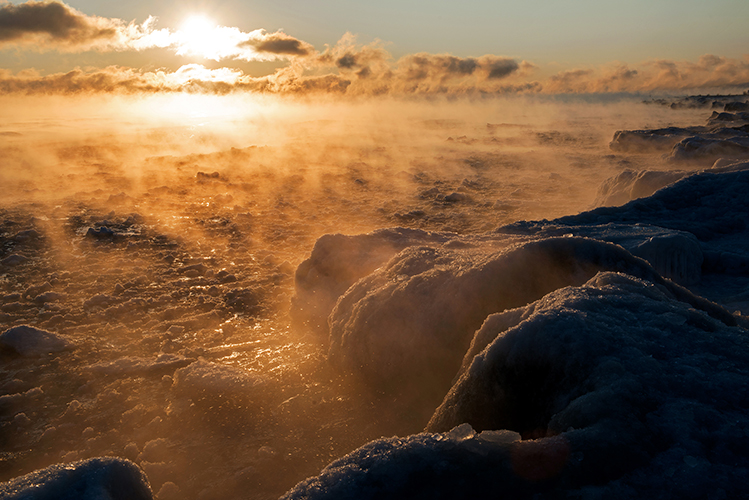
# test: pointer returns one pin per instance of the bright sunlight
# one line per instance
(200, 36)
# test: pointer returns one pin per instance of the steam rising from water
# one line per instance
(162, 230)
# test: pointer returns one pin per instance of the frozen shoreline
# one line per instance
(397, 309)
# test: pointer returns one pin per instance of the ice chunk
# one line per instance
(29, 341)
(93, 479)
(643, 141)
(708, 204)
(407, 325)
(709, 149)
(419, 466)
(630, 185)
(587, 361)
(338, 261)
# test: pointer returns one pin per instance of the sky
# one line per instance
(385, 47)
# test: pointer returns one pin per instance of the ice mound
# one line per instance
(706, 204)
(641, 141)
(409, 323)
(631, 185)
(338, 261)
(619, 389)
(724, 135)
(29, 341)
(676, 255)
(710, 149)
(93, 479)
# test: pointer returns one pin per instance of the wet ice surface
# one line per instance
(161, 303)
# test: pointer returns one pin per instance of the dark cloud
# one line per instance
(278, 43)
(500, 67)
(346, 61)
(55, 22)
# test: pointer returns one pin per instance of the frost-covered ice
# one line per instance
(409, 322)
(103, 478)
(618, 388)
(30, 341)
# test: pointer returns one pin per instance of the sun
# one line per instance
(200, 36)
(197, 27)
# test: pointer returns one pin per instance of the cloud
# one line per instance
(278, 43)
(55, 26)
(55, 20)
(346, 68)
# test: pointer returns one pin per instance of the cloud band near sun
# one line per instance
(54, 26)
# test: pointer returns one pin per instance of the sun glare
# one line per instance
(197, 27)
(202, 37)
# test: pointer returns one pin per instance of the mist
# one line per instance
(168, 239)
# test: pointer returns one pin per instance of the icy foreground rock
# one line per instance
(408, 321)
(338, 261)
(407, 325)
(620, 389)
(92, 479)
(30, 341)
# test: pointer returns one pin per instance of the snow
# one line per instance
(607, 383)
(30, 341)
(630, 185)
(338, 261)
(409, 322)
(93, 479)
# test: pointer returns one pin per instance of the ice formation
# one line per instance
(724, 136)
(338, 261)
(30, 341)
(630, 185)
(409, 322)
(93, 479)
(607, 384)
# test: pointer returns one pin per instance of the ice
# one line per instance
(338, 261)
(607, 383)
(134, 365)
(186, 361)
(710, 149)
(630, 185)
(676, 255)
(104, 478)
(408, 323)
(30, 341)
(651, 140)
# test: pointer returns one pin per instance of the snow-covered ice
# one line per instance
(105, 478)
(617, 388)
(30, 341)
